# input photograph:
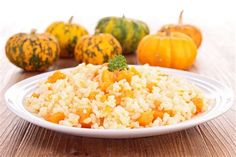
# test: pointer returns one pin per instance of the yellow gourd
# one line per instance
(67, 35)
(97, 49)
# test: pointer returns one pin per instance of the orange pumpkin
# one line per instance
(168, 49)
(190, 30)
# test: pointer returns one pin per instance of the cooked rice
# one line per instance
(122, 104)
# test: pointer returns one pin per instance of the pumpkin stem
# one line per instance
(167, 32)
(70, 20)
(181, 17)
(33, 31)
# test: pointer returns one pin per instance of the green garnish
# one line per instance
(117, 63)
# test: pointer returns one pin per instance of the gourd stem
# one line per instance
(33, 31)
(167, 32)
(71, 18)
(180, 22)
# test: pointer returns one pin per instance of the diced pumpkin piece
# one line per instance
(56, 76)
(125, 74)
(150, 85)
(157, 103)
(104, 86)
(170, 112)
(120, 75)
(198, 102)
(129, 76)
(134, 71)
(92, 95)
(95, 74)
(107, 109)
(158, 114)
(128, 93)
(36, 95)
(56, 117)
(146, 118)
(84, 113)
(118, 100)
(107, 79)
(103, 98)
(101, 121)
(107, 76)
(86, 124)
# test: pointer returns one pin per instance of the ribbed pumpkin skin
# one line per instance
(67, 35)
(189, 30)
(32, 52)
(127, 31)
(172, 50)
(97, 49)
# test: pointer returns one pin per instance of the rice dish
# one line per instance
(90, 96)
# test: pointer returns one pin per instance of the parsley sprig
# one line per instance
(117, 63)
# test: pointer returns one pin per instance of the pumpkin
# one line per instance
(97, 49)
(67, 34)
(190, 30)
(32, 52)
(169, 49)
(127, 31)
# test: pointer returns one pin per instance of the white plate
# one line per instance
(222, 95)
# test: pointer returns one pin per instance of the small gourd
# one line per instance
(97, 49)
(190, 30)
(168, 49)
(67, 34)
(32, 52)
(127, 31)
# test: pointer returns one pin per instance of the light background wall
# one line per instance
(22, 15)
(216, 18)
